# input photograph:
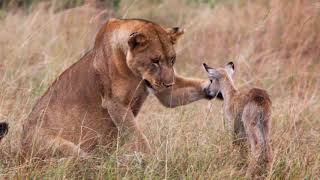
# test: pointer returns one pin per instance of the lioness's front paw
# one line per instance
(211, 91)
(143, 147)
(126, 159)
(83, 155)
(207, 92)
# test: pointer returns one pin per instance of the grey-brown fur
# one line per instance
(248, 114)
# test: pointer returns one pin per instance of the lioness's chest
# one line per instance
(137, 103)
(131, 95)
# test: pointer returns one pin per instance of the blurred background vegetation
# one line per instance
(274, 44)
(60, 4)
(65, 4)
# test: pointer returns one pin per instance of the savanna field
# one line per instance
(275, 45)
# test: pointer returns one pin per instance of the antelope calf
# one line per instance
(248, 114)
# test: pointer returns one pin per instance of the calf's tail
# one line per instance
(4, 127)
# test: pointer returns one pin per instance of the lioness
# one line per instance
(248, 114)
(97, 99)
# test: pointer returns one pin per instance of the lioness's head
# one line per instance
(151, 54)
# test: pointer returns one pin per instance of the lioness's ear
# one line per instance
(211, 71)
(175, 33)
(137, 41)
(229, 68)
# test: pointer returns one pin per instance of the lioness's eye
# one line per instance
(173, 60)
(155, 60)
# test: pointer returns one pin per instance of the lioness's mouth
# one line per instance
(148, 84)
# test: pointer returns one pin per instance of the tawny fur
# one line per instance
(98, 97)
(248, 114)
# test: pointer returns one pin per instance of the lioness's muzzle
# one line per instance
(148, 84)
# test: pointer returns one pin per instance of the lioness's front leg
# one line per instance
(184, 91)
(129, 131)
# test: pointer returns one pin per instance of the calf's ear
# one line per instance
(229, 67)
(211, 71)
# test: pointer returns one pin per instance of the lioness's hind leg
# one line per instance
(66, 147)
(44, 145)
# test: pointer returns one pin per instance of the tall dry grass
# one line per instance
(274, 44)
